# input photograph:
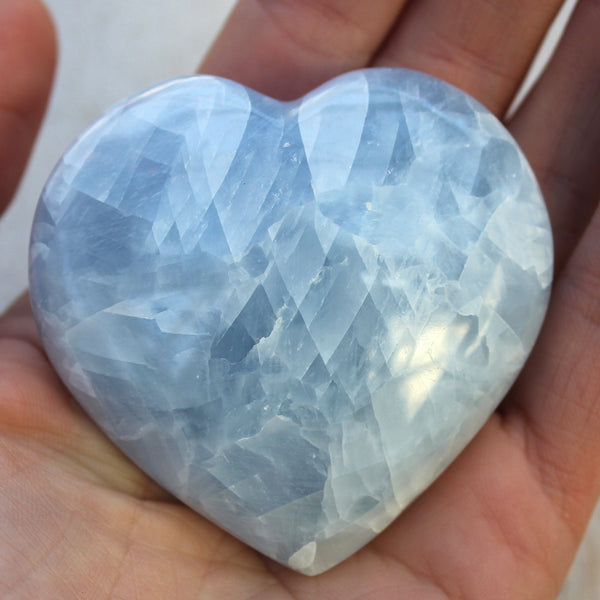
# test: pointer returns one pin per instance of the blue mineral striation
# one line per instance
(295, 315)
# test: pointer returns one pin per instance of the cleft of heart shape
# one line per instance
(293, 316)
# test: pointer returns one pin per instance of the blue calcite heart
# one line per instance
(293, 316)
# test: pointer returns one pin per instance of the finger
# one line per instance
(284, 48)
(484, 48)
(558, 127)
(26, 68)
(559, 400)
(17, 323)
(556, 405)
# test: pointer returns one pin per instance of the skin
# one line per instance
(79, 521)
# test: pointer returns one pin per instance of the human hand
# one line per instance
(78, 520)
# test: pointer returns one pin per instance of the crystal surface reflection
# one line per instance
(292, 315)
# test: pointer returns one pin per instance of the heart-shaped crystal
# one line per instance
(293, 315)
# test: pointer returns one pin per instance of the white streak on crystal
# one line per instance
(330, 162)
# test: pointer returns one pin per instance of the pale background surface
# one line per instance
(111, 49)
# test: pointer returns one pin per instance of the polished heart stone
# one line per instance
(293, 316)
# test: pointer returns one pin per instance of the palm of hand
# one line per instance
(82, 521)
(78, 520)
